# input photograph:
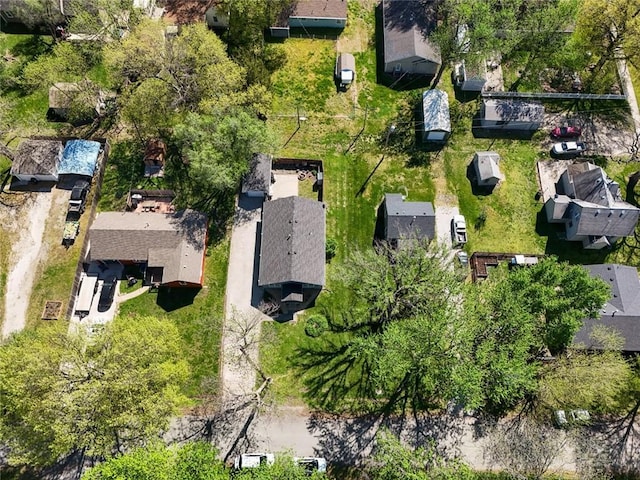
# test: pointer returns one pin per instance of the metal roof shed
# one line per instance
(435, 114)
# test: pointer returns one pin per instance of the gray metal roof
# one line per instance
(506, 110)
(406, 28)
(435, 111)
(622, 311)
(37, 157)
(175, 242)
(292, 245)
(487, 164)
(258, 178)
(408, 219)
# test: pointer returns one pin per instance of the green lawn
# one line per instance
(198, 315)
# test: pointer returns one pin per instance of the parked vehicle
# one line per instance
(107, 293)
(566, 132)
(311, 464)
(568, 148)
(459, 230)
(71, 229)
(463, 258)
(565, 419)
(78, 197)
(345, 71)
(253, 460)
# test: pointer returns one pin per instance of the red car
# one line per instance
(566, 132)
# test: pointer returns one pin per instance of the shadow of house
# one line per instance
(310, 14)
(406, 221)
(508, 118)
(292, 251)
(436, 121)
(169, 248)
(486, 171)
(257, 181)
(621, 312)
(37, 160)
(590, 206)
(406, 26)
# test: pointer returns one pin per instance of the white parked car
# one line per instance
(253, 460)
(568, 148)
(311, 464)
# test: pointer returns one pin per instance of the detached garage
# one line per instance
(37, 161)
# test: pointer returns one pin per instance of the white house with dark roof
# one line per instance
(621, 312)
(487, 169)
(169, 247)
(407, 48)
(407, 220)
(37, 160)
(436, 121)
(293, 251)
(590, 206)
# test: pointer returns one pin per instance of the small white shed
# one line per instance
(486, 166)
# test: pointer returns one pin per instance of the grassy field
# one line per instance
(348, 132)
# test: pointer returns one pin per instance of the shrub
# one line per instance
(331, 247)
(316, 325)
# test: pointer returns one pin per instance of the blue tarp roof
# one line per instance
(79, 158)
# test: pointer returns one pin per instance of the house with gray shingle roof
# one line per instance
(170, 248)
(487, 168)
(407, 49)
(621, 312)
(590, 206)
(292, 251)
(407, 220)
(436, 122)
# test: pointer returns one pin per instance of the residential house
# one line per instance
(169, 248)
(80, 158)
(621, 313)
(404, 221)
(407, 49)
(487, 169)
(292, 251)
(590, 206)
(436, 121)
(511, 115)
(37, 160)
(306, 14)
(257, 181)
(217, 16)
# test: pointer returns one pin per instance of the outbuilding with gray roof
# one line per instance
(407, 220)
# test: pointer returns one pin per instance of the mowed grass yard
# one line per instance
(507, 220)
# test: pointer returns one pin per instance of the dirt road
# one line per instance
(24, 260)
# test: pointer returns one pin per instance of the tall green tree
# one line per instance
(190, 461)
(217, 150)
(63, 393)
(392, 460)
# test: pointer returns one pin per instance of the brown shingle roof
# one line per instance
(175, 242)
(320, 9)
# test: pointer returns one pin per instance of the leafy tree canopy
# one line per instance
(65, 392)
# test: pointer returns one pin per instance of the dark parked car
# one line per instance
(566, 132)
(78, 197)
(107, 293)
